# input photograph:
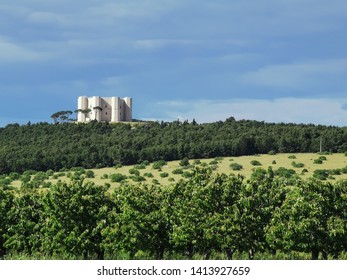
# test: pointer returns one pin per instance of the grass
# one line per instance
(222, 165)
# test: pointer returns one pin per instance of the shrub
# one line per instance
(214, 167)
(40, 176)
(155, 182)
(292, 157)
(134, 171)
(255, 163)
(297, 164)
(304, 171)
(50, 172)
(187, 174)
(197, 161)
(90, 174)
(104, 176)
(274, 162)
(177, 171)
(213, 162)
(184, 162)
(164, 175)
(321, 174)
(138, 178)
(117, 177)
(317, 161)
(140, 166)
(322, 158)
(272, 152)
(284, 172)
(236, 166)
(159, 164)
(171, 179)
(148, 174)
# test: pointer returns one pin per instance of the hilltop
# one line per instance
(46, 146)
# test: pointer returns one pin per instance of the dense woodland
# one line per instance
(46, 146)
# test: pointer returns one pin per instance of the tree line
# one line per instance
(200, 217)
(46, 146)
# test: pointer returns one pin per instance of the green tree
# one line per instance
(74, 216)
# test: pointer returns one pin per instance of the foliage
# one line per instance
(204, 216)
(117, 177)
(236, 166)
(255, 163)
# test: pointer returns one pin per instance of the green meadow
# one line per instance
(302, 165)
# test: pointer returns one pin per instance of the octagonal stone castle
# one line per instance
(104, 109)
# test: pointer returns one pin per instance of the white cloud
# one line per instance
(292, 110)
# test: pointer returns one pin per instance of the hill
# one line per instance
(46, 146)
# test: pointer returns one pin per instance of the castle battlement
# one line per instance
(104, 109)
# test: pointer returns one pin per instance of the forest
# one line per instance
(45, 146)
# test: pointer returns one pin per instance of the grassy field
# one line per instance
(221, 165)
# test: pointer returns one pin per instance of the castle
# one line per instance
(104, 109)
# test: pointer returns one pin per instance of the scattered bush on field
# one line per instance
(235, 166)
(117, 177)
(255, 163)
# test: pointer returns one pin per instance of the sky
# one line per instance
(266, 60)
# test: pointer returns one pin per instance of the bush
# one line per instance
(148, 174)
(184, 162)
(41, 176)
(284, 172)
(292, 157)
(322, 158)
(272, 152)
(155, 182)
(140, 166)
(321, 174)
(197, 161)
(159, 164)
(134, 171)
(235, 166)
(255, 163)
(177, 171)
(104, 176)
(138, 178)
(50, 172)
(297, 164)
(117, 177)
(274, 162)
(187, 174)
(317, 161)
(90, 174)
(171, 179)
(164, 175)
(213, 162)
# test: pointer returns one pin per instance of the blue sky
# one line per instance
(269, 60)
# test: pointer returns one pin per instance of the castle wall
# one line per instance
(110, 109)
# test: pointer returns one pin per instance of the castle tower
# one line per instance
(128, 108)
(82, 106)
(116, 112)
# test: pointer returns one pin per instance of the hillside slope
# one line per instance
(45, 146)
